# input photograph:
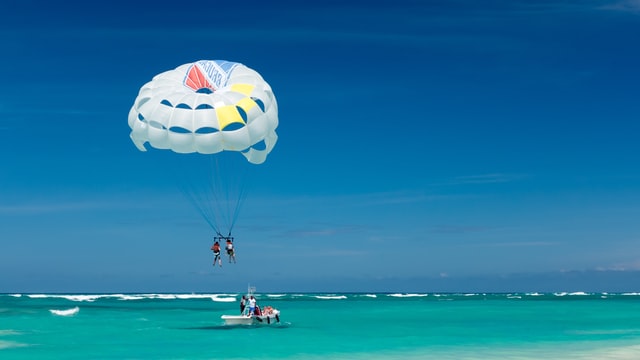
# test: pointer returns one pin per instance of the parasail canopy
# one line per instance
(207, 107)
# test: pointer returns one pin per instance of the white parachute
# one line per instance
(207, 107)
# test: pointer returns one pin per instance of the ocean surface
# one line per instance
(322, 326)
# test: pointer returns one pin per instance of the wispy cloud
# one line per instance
(313, 233)
(42, 208)
(322, 231)
(520, 244)
(283, 32)
(391, 198)
(487, 178)
(479, 179)
(332, 253)
(47, 206)
(626, 266)
(45, 111)
(458, 229)
(562, 6)
(632, 6)
(367, 199)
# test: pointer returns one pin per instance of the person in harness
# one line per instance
(230, 250)
(216, 252)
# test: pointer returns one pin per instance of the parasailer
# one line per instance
(209, 108)
(231, 252)
(216, 252)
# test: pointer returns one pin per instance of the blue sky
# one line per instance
(423, 146)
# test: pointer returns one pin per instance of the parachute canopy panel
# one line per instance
(207, 107)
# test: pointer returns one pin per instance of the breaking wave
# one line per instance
(11, 344)
(223, 298)
(407, 295)
(67, 312)
(331, 297)
(234, 297)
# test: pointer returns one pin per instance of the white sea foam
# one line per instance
(10, 344)
(330, 297)
(88, 298)
(8, 332)
(230, 297)
(408, 295)
(134, 297)
(222, 299)
(67, 312)
(196, 296)
(607, 332)
(631, 352)
(39, 296)
(163, 296)
(482, 353)
(276, 295)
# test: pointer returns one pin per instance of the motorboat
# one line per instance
(266, 315)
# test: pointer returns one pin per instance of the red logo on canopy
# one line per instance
(197, 80)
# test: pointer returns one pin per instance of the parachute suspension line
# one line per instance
(229, 178)
(201, 210)
(220, 190)
(225, 190)
(240, 200)
(218, 199)
(205, 204)
(204, 196)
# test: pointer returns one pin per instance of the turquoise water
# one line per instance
(322, 326)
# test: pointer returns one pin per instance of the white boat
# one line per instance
(266, 315)
(268, 319)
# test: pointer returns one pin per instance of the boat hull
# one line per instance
(252, 320)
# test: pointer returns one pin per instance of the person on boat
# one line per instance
(216, 251)
(243, 304)
(230, 251)
(252, 305)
